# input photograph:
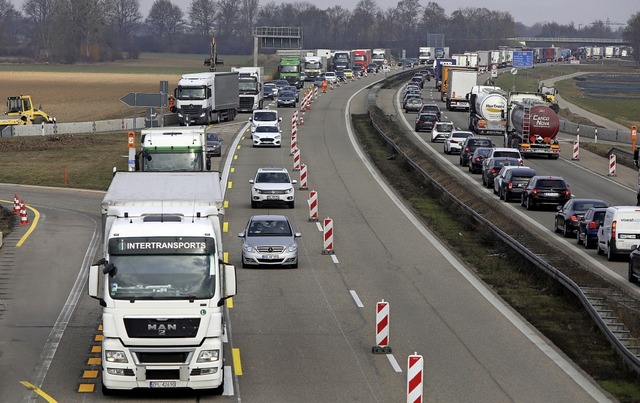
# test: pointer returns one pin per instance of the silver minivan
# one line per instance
(620, 231)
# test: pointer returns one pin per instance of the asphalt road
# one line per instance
(303, 334)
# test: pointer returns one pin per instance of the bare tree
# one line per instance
(632, 35)
(248, 13)
(202, 16)
(165, 19)
(362, 21)
(434, 19)
(79, 23)
(9, 23)
(40, 16)
(228, 24)
(123, 16)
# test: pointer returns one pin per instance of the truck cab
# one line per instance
(166, 149)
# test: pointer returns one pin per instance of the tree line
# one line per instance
(69, 31)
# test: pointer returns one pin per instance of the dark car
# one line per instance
(357, 70)
(340, 76)
(588, 226)
(514, 181)
(634, 265)
(470, 145)
(545, 190)
(478, 157)
(412, 105)
(287, 98)
(269, 90)
(214, 144)
(431, 108)
(294, 89)
(318, 81)
(417, 81)
(372, 68)
(491, 167)
(425, 121)
(569, 215)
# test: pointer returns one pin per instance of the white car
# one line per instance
(441, 131)
(497, 181)
(272, 185)
(331, 77)
(267, 135)
(453, 143)
(506, 152)
(264, 117)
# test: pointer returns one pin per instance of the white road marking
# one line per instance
(356, 299)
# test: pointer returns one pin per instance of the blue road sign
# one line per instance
(522, 58)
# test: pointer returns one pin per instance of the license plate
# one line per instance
(272, 197)
(552, 194)
(269, 257)
(162, 384)
(627, 236)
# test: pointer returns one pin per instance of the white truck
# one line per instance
(314, 66)
(488, 110)
(250, 80)
(381, 57)
(426, 55)
(162, 282)
(178, 149)
(205, 98)
(460, 83)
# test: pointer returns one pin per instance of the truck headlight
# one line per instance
(116, 356)
(209, 356)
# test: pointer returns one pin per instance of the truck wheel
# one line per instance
(38, 120)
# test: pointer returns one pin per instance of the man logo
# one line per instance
(162, 329)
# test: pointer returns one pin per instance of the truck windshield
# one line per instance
(312, 65)
(160, 161)
(247, 85)
(191, 93)
(162, 277)
(290, 69)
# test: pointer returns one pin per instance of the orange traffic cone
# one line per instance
(16, 204)
(24, 218)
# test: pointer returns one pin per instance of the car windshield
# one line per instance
(480, 143)
(483, 152)
(272, 177)
(511, 154)
(212, 137)
(459, 135)
(444, 127)
(551, 183)
(265, 116)
(269, 228)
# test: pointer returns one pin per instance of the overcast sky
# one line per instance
(528, 12)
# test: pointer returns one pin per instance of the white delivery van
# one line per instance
(620, 232)
(264, 117)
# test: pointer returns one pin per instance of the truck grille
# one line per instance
(162, 374)
(193, 110)
(171, 328)
(178, 357)
(246, 102)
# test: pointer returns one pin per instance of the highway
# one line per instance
(297, 334)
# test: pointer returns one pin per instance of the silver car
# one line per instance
(269, 240)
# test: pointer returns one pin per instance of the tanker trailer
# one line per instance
(533, 127)
(488, 110)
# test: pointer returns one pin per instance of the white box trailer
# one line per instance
(209, 97)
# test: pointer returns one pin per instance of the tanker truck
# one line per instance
(532, 126)
(488, 110)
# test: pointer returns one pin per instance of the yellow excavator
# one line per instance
(20, 111)
(549, 92)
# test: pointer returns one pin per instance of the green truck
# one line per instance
(289, 69)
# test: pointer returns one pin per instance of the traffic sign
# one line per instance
(522, 58)
(144, 99)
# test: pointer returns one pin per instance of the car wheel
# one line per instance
(484, 182)
(529, 204)
(599, 251)
(291, 204)
(254, 204)
(632, 278)
(610, 254)
(419, 130)
(587, 243)
(578, 239)
(565, 231)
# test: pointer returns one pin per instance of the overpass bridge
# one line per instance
(527, 40)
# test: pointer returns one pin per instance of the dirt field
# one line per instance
(79, 97)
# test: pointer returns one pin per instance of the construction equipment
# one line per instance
(213, 59)
(549, 92)
(20, 111)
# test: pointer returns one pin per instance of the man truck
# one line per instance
(426, 55)
(162, 282)
(314, 66)
(205, 98)
(290, 69)
(381, 57)
(342, 59)
(178, 149)
(250, 80)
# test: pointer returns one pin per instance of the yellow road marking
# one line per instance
(232, 170)
(39, 391)
(230, 302)
(94, 361)
(90, 374)
(229, 185)
(86, 388)
(96, 349)
(225, 226)
(98, 337)
(226, 204)
(235, 156)
(237, 365)
(100, 327)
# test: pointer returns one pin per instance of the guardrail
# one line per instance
(631, 359)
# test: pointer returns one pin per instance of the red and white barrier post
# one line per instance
(328, 237)
(576, 149)
(303, 177)
(415, 378)
(296, 159)
(612, 165)
(16, 204)
(294, 139)
(382, 329)
(313, 205)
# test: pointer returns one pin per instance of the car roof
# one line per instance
(272, 169)
(270, 217)
(505, 149)
(463, 132)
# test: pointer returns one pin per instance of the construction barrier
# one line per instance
(294, 118)
(313, 205)
(415, 379)
(315, 92)
(576, 151)
(382, 329)
(612, 165)
(303, 177)
(16, 204)
(24, 218)
(294, 139)
(331, 85)
(296, 159)
(328, 237)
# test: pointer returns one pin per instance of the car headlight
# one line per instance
(115, 356)
(277, 137)
(209, 356)
(290, 190)
(248, 248)
(292, 247)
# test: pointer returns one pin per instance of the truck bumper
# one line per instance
(166, 367)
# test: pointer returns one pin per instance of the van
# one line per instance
(620, 231)
(264, 117)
